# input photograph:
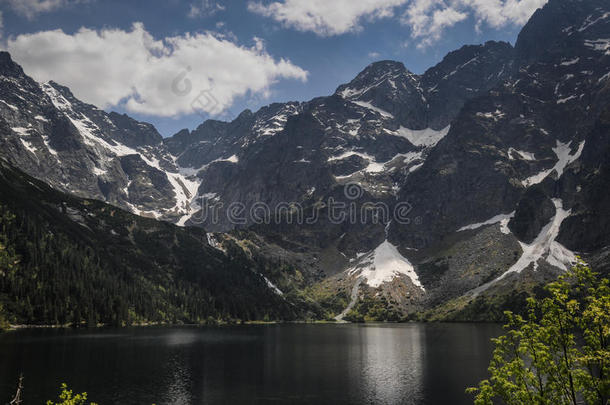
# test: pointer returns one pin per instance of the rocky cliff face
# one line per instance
(497, 157)
(80, 149)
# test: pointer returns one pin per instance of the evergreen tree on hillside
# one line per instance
(65, 260)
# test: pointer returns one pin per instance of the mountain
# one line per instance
(80, 149)
(71, 260)
(492, 167)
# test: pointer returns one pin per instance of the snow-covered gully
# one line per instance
(543, 247)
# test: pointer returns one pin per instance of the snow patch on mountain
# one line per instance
(458, 68)
(570, 62)
(566, 99)
(275, 124)
(421, 137)
(373, 166)
(28, 146)
(191, 171)
(12, 107)
(503, 219)
(378, 167)
(41, 118)
(47, 143)
(384, 264)
(564, 158)
(495, 115)
(185, 190)
(232, 159)
(371, 107)
(347, 154)
(600, 45)
(520, 154)
(58, 100)
(544, 247)
(589, 22)
(415, 167)
(99, 172)
(21, 131)
(408, 158)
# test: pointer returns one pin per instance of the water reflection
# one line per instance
(296, 364)
(178, 382)
(392, 363)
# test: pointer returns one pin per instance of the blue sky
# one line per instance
(329, 59)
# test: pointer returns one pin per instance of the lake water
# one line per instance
(264, 364)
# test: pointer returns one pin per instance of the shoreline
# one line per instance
(248, 323)
(145, 325)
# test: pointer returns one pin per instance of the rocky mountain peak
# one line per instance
(560, 25)
(63, 90)
(245, 115)
(8, 67)
(382, 73)
(135, 133)
(380, 68)
(469, 56)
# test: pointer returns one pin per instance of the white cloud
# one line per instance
(166, 77)
(205, 8)
(374, 55)
(31, 8)
(499, 13)
(428, 19)
(326, 17)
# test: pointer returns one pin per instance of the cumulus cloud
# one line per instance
(31, 8)
(326, 17)
(205, 8)
(169, 77)
(499, 13)
(427, 19)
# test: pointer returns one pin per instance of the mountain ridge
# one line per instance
(66, 260)
(495, 150)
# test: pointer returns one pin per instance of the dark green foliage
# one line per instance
(4, 324)
(491, 308)
(370, 308)
(65, 260)
(331, 302)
